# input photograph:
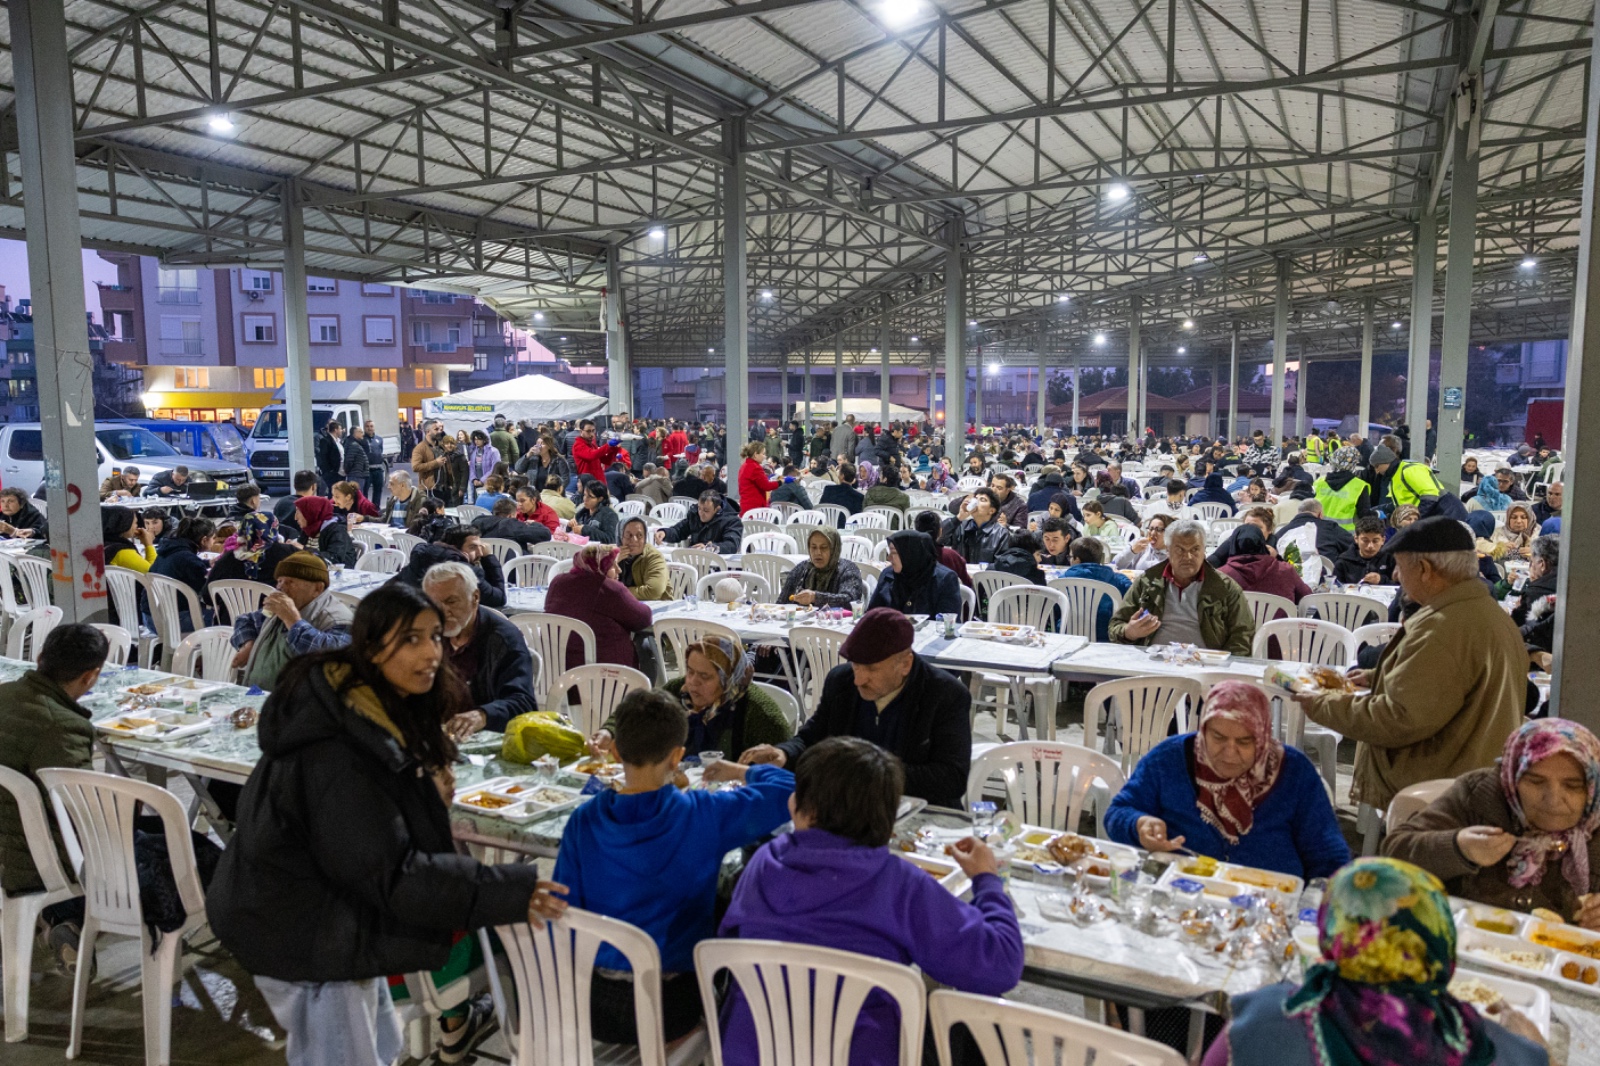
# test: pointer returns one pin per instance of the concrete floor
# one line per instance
(218, 1017)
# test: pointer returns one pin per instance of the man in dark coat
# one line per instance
(710, 525)
(886, 693)
(502, 524)
(486, 649)
(330, 452)
(1332, 538)
(845, 494)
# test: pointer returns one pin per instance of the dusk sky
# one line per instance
(14, 275)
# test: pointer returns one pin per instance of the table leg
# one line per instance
(1019, 697)
(204, 801)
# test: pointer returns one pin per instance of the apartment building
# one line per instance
(116, 388)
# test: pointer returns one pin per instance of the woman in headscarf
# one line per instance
(1381, 996)
(827, 579)
(592, 593)
(1489, 497)
(917, 583)
(1232, 791)
(1515, 538)
(1255, 569)
(941, 478)
(1520, 834)
(1214, 492)
(1079, 481)
(725, 713)
(324, 532)
(1064, 505)
(887, 492)
(641, 567)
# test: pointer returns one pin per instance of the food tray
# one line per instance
(154, 725)
(1491, 920)
(1031, 851)
(546, 798)
(909, 805)
(1478, 947)
(480, 799)
(1576, 949)
(1006, 634)
(947, 873)
(1232, 879)
(173, 688)
(1189, 656)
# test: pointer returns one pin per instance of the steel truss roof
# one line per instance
(501, 147)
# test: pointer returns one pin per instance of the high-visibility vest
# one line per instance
(1411, 482)
(1314, 449)
(1339, 505)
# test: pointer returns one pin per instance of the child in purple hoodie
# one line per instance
(834, 883)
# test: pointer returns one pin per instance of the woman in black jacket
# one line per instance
(178, 557)
(597, 519)
(342, 869)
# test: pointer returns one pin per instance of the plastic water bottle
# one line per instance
(949, 626)
(1311, 899)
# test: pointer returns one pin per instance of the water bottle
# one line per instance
(949, 626)
(1311, 899)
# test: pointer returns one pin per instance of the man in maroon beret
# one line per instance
(886, 693)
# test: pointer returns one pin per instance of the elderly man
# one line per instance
(168, 482)
(1114, 471)
(486, 651)
(403, 496)
(1550, 506)
(1333, 540)
(19, 518)
(1535, 612)
(886, 693)
(1185, 601)
(655, 484)
(843, 441)
(120, 485)
(709, 526)
(300, 618)
(1448, 689)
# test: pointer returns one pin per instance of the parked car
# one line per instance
(118, 444)
(222, 441)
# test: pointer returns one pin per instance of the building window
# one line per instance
(324, 329)
(269, 379)
(379, 329)
(260, 329)
(177, 286)
(424, 377)
(324, 286)
(21, 357)
(480, 360)
(248, 415)
(421, 332)
(180, 336)
(480, 327)
(453, 335)
(391, 376)
(189, 377)
(369, 289)
(438, 297)
(331, 374)
(255, 281)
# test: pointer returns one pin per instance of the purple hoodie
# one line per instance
(812, 887)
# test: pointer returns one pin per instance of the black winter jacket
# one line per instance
(503, 686)
(505, 527)
(329, 454)
(342, 866)
(491, 576)
(724, 531)
(936, 740)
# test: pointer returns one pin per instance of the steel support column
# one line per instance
(838, 380)
(619, 374)
(1044, 370)
(783, 398)
(1133, 432)
(1422, 267)
(805, 396)
(1216, 369)
(884, 334)
(955, 332)
(1233, 383)
(1577, 607)
(1280, 350)
(1302, 392)
(1457, 340)
(977, 384)
(1077, 370)
(736, 300)
(1364, 407)
(296, 334)
(65, 369)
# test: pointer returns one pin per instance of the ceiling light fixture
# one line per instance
(1188, 323)
(1201, 257)
(711, 351)
(899, 12)
(994, 368)
(1063, 298)
(766, 294)
(1529, 263)
(1117, 192)
(1182, 350)
(972, 322)
(538, 316)
(220, 124)
(914, 339)
(1100, 338)
(658, 234)
(1395, 326)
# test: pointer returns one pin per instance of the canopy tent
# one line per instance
(865, 410)
(531, 397)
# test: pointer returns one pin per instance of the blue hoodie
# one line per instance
(1101, 572)
(651, 858)
(812, 887)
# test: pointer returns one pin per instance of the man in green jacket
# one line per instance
(42, 726)
(1185, 601)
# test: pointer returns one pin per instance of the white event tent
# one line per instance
(532, 397)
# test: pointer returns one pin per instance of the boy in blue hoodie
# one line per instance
(649, 854)
(834, 883)
(1088, 557)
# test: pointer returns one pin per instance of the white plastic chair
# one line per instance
(787, 704)
(529, 571)
(28, 632)
(559, 549)
(871, 534)
(368, 538)
(868, 519)
(1084, 596)
(681, 578)
(1376, 633)
(168, 599)
(773, 568)
(235, 598)
(551, 970)
(96, 814)
(120, 642)
(466, 512)
(405, 542)
(382, 561)
(785, 509)
(969, 482)
(1210, 510)
(969, 604)
(895, 517)
(549, 635)
(857, 549)
(1002, 1030)
(754, 584)
(1413, 798)
(1027, 604)
(505, 551)
(823, 514)
(759, 526)
(212, 648)
(704, 562)
(1304, 640)
(631, 508)
(1144, 706)
(1265, 607)
(763, 514)
(1047, 781)
(19, 914)
(804, 1000)
(671, 513)
(1347, 609)
(773, 543)
(987, 582)
(815, 650)
(675, 634)
(599, 687)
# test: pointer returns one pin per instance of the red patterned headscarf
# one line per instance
(1229, 806)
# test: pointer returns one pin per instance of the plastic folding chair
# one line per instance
(754, 584)
(671, 513)
(20, 914)
(770, 543)
(986, 582)
(674, 635)
(815, 650)
(529, 571)
(505, 551)
(28, 632)
(1376, 633)
(123, 586)
(236, 597)
(772, 568)
(1347, 609)
(599, 687)
(632, 508)
(1003, 1029)
(857, 549)
(1047, 781)
(1304, 640)
(169, 598)
(787, 704)
(559, 549)
(704, 562)
(206, 654)
(382, 561)
(1265, 607)
(120, 642)
(550, 635)
(763, 514)
(681, 578)
(871, 518)
(1142, 709)
(1084, 596)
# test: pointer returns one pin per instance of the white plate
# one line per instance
(1037, 837)
(172, 688)
(947, 873)
(1475, 945)
(1227, 876)
(163, 725)
(1531, 1001)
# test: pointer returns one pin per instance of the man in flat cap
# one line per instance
(886, 693)
(1449, 688)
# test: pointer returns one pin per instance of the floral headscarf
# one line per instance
(1347, 459)
(1229, 806)
(735, 668)
(1533, 743)
(596, 562)
(1381, 996)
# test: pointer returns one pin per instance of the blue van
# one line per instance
(203, 440)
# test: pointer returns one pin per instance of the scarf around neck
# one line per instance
(1533, 743)
(1229, 805)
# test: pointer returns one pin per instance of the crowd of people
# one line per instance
(367, 706)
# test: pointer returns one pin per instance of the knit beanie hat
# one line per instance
(305, 566)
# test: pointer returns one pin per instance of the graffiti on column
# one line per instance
(94, 578)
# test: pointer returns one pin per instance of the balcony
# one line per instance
(182, 346)
(188, 297)
(438, 297)
(441, 347)
(114, 288)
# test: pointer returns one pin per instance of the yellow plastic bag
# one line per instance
(529, 736)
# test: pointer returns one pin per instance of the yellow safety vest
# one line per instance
(1314, 449)
(1403, 492)
(1339, 505)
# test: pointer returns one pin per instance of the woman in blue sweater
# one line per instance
(1233, 792)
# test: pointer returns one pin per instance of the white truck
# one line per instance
(350, 403)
